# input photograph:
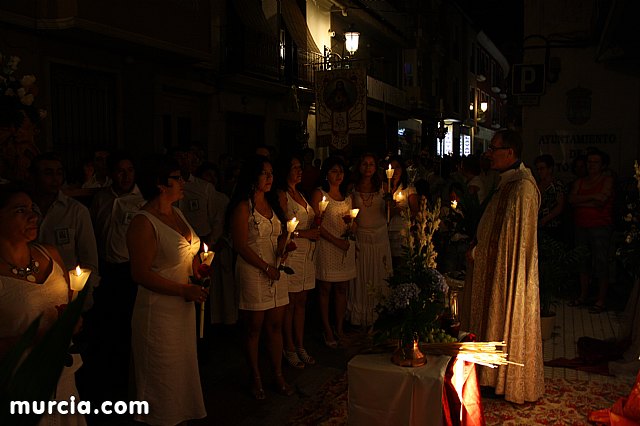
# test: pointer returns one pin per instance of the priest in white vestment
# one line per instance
(502, 297)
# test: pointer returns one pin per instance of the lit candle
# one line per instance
(78, 278)
(206, 257)
(353, 213)
(399, 197)
(291, 225)
(454, 204)
(389, 173)
(323, 204)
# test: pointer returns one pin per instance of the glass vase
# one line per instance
(450, 320)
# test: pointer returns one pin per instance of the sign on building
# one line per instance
(528, 79)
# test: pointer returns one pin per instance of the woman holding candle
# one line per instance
(33, 282)
(301, 260)
(374, 264)
(404, 206)
(163, 251)
(335, 255)
(255, 217)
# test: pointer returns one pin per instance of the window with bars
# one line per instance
(83, 112)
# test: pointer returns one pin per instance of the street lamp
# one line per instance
(352, 39)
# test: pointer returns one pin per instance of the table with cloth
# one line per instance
(442, 392)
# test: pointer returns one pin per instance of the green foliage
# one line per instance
(36, 377)
(416, 289)
(557, 264)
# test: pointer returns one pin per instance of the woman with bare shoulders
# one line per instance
(335, 255)
(163, 250)
(256, 222)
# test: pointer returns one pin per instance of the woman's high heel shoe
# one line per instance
(333, 344)
(293, 359)
(256, 389)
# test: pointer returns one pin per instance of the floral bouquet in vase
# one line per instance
(410, 312)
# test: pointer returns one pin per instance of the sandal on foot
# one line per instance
(282, 387)
(305, 357)
(256, 389)
(577, 302)
(597, 309)
(333, 344)
(292, 359)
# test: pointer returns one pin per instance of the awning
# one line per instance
(297, 26)
(250, 12)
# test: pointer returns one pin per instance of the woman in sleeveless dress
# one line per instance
(301, 260)
(32, 283)
(256, 221)
(335, 255)
(374, 252)
(162, 247)
(405, 206)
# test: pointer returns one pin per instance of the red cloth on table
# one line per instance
(471, 404)
(625, 411)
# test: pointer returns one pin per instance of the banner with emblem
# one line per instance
(341, 106)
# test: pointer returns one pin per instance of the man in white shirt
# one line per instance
(107, 363)
(200, 204)
(65, 222)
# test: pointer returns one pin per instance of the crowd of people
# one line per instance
(145, 224)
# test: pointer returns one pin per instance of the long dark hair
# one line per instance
(282, 168)
(153, 171)
(376, 180)
(404, 180)
(246, 187)
(329, 164)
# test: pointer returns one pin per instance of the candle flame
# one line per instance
(389, 166)
(454, 204)
(324, 198)
(354, 213)
(206, 248)
(78, 271)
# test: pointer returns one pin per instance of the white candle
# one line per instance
(399, 197)
(291, 225)
(389, 173)
(206, 256)
(353, 213)
(323, 204)
(78, 278)
(454, 204)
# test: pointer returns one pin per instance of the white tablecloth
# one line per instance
(382, 393)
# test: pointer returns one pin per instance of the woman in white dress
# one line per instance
(256, 221)
(301, 260)
(33, 282)
(374, 264)
(335, 255)
(404, 207)
(162, 247)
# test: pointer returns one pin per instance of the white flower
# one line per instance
(27, 100)
(28, 80)
(13, 62)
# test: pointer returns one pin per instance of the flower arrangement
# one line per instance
(17, 94)
(411, 310)
(629, 250)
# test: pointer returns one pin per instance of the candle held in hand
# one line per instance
(389, 172)
(78, 278)
(353, 213)
(291, 225)
(206, 257)
(454, 204)
(323, 204)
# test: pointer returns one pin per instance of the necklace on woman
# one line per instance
(367, 198)
(28, 272)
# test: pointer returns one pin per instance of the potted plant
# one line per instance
(557, 264)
